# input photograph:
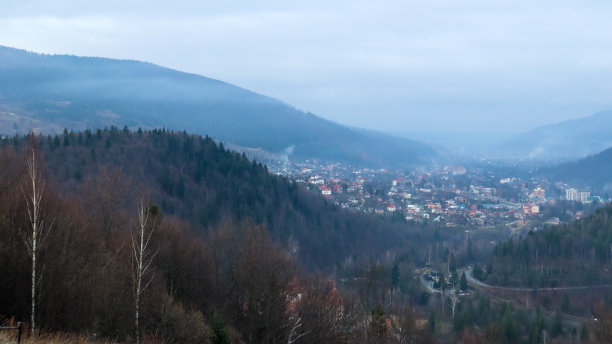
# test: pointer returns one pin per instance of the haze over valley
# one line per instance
(274, 172)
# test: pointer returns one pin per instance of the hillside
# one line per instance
(47, 93)
(231, 245)
(592, 171)
(574, 254)
(193, 178)
(575, 138)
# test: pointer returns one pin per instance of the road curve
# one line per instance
(471, 280)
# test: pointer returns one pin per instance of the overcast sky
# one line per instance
(451, 65)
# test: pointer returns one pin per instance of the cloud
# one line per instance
(466, 65)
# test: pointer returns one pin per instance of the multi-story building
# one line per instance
(571, 194)
(584, 196)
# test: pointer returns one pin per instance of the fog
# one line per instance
(468, 66)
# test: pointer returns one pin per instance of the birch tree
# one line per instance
(142, 258)
(36, 234)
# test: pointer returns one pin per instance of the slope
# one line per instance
(592, 171)
(574, 254)
(47, 92)
(193, 178)
(214, 276)
(575, 138)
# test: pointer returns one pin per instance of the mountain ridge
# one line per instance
(574, 138)
(592, 171)
(92, 92)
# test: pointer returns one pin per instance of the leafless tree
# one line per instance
(293, 336)
(33, 191)
(142, 258)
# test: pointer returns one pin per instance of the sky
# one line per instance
(481, 66)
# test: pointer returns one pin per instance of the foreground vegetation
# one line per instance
(217, 274)
(241, 256)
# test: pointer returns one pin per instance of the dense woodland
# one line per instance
(577, 253)
(240, 255)
(197, 180)
(230, 245)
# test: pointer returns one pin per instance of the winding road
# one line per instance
(568, 318)
(471, 280)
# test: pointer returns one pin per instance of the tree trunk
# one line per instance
(33, 238)
(142, 259)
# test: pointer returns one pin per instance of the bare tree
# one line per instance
(33, 238)
(293, 336)
(142, 259)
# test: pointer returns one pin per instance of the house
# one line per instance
(553, 221)
(539, 193)
(325, 190)
(531, 209)
(316, 180)
(391, 207)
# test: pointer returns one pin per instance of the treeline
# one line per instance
(198, 180)
(573, 254)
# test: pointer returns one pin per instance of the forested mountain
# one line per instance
(593, 171)
(230, 244)
(194, 178)
(575, 138)
(47, 93)
(575, 254)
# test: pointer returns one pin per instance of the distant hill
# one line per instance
(47, 93)
(575, 138)
(594, 171)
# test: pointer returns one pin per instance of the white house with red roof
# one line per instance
(325, 190)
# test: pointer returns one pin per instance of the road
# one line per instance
(471, 280)
(568, 318)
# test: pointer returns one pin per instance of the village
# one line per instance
(453, 196)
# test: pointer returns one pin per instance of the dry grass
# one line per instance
(48, 338)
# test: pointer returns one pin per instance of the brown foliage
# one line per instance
(603, 327)
(469, 336)
(176, 324)
(322, 312)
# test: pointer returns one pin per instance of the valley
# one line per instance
(269, 224)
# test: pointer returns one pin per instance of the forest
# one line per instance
(195, 179)
(573, 254)
(234, 254)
